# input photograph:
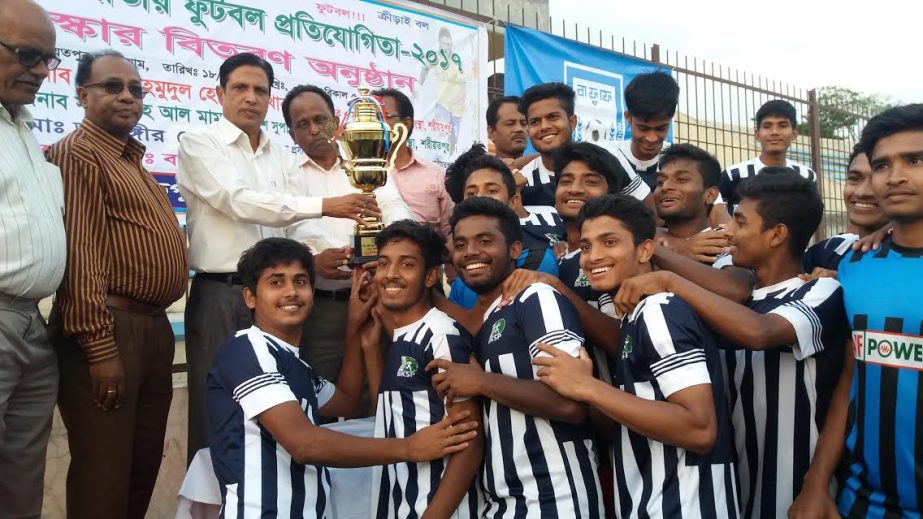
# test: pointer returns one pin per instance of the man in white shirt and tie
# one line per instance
(32, 259)
(235, 182)
(309, 114)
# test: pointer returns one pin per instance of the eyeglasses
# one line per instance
(116, 87)
(31, 57)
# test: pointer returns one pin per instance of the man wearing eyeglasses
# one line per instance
(32, 259)
(309, 114)
(126, 262)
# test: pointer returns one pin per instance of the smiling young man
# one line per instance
(877, 413)
(776, 130)
(476, 173)
(862, 210)
(784, 348)
(549, 109)
(650, 103)
(126, 263)
(263, 401)
(672, 445)
(410, 256)
(539, 454)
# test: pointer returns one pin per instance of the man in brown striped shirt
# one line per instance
(125, 263)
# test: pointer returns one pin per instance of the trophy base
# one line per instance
(364, 248)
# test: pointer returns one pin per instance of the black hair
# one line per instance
(484, 206)
(708, 166)
(85, 64)
(494, 107)
(596, 158)
(778, 108)
(856, 151)
(893, 120)
(297, 91)
(651, 95)
(634, 215)
(470, 161)
(404, 106)
(783, 196)
(428, 239)
(244, 59)
(270, 252)
(563, 93)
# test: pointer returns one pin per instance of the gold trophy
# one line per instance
(367, 147)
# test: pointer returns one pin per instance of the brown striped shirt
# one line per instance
(122, 235)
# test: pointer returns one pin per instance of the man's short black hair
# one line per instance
(428, 239)
(783, 196)
(494, 107)
(563, 93)
(484, 206)
(85, 64)
(652, 95)
(244, 59)
(634, 215)
(596, 158)
(893, 120)
(270, 252)
(707, 165)
(404, 106)
(856, 151)
(470, 161)
(778, 108)
(297, 91)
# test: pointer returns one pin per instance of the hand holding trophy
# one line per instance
(367, 147)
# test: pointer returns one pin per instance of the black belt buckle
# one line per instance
(228, 278)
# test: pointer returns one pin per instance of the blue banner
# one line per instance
(598, 77)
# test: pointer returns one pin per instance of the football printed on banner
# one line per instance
(598, 77)
(178, 45)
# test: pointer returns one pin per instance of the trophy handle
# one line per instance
(398, 138)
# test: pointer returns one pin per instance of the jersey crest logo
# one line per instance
(582, 281)
(627, 347)
(497, 330)
(408, 367)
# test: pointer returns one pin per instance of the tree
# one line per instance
(842, 110)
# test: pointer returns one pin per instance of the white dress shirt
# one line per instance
(235, 196)
(331, 233)
(33, 250)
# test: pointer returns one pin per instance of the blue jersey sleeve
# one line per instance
(247, 368)
(548, 317)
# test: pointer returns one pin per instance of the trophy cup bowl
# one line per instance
(367, 147)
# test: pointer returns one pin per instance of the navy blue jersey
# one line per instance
(407, 403)
(734, 175)
(541, 230)
(827, 254)
(534, 466)
(779, 396)
(884, 439)
(666, 348)
(251, 373)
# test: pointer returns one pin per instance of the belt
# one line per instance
(130, 305)
(230, 278)
(335, 295)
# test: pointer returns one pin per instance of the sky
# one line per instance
(874, 47)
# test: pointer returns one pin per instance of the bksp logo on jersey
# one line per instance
(497, 330)
(889, 349)
(408, 367)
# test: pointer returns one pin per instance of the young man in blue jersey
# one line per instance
(672, 445)
(877, 412)
(409, 259)
(776, 130)
(263, 401)
(784, 348)
(476, 173)
(539, 455)
(862, 210)
(549, 110)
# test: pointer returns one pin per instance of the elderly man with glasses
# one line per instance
(32, 257)
(126, 262)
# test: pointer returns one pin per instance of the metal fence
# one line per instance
(717, 103)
